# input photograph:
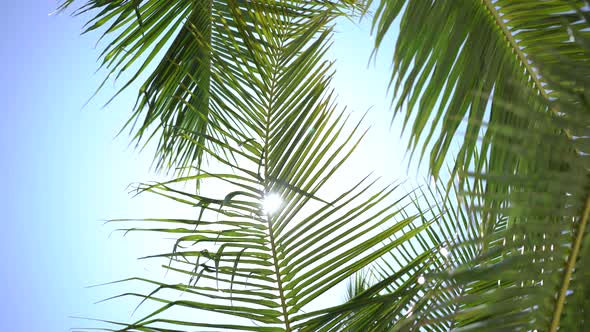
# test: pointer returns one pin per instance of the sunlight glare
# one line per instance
(271, 203)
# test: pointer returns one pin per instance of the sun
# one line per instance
(271, 203)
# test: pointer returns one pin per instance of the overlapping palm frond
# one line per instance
(462, 60)
(183, 46)
(529, 271)
(527, 274)
(239, 257)
(532, 272)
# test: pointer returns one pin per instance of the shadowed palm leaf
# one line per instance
(471, 58)
(528, 271)
(531, 269)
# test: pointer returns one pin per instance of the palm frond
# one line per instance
(462, 60)
(528, 271)
(265, 266)
(398, 283)
(182, 47)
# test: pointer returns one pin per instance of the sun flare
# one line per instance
(271, 203)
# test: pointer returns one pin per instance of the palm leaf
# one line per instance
(528, 272)
(183, 47)
(462, 60)
(398, 283)
(266, 268)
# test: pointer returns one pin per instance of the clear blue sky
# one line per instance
(63, 170)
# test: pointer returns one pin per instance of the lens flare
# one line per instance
(271, 203)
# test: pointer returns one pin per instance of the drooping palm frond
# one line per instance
(183, 47)
(240, 257)
(529, 272)
(462, 60)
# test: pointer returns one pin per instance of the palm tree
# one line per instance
(500, 244)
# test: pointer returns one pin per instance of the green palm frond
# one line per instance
(503, 245)
(529, 271)
(397, 288)
(183, 46)
(462, 60)
(265, 268)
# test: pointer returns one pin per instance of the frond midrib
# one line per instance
(573, 256)
(571, 264)
(267, 185)
(514, 45)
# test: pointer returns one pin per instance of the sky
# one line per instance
(64, 171)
